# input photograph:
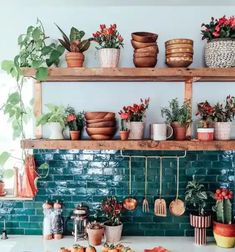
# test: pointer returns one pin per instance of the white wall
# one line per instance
(168, 21)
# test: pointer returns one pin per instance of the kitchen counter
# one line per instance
(138, 243)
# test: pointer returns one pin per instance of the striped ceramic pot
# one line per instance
(200, 224)
(109, 57)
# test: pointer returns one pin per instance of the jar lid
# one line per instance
(205, 130)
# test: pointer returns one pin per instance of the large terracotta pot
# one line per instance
(113, 233)
(222, 130)
(179, 131)
(2, 188)
(124, 134)
(109, 57)
(224, 234)
(55, 131)
(95, 236)
(74, 59)
(200, 223)
(74, 134)
(136, 130)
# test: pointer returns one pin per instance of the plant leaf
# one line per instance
(42, 73)
(4, 157)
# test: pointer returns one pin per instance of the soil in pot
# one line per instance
(74, 59)
(95, 236)
(179, 131)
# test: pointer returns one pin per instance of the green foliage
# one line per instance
(5, 173)
(177, 113)
(55, 114)
(74, 42)
(77, 122)
(223, 210)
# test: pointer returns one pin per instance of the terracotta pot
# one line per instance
(124, 134)
(136, 130)
(222, 130)
(74, 59)
(113, 233)
(2, 188)
(224, 234)
(200, 223)
(74, 134)
(95, 236)
(109, 57)
(179, 131)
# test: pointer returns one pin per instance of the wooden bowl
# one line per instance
(108, 131)
(144, 37)
(99, 115)
(179, 41)
(109, 119)
(145, 61)
(153, 49)
(179, 61)
(179, 46)
(101, 124)
(100, 137)
(182, 54)
(145, 54)
(179, 50)
(138, 45)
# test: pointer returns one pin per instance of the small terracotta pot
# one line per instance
(2, 188)
(124, 134)
(113, 233)
(222, 130)
(95, 236)
(179, 131)
(74, 59)
(224, 234)
(74, 134)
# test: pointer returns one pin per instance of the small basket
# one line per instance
(220, 53)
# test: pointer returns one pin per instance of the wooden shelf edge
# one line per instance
(193, 145)
(12, 198)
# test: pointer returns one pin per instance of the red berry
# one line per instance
(218, 191)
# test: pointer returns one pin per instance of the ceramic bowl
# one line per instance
(101, 124)
(138, 45)
(99, 115)
(145, 61)
(108, 131)
(144, 37)
(179, 41)
(153, 49)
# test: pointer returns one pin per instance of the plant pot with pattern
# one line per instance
(95, 232)
(75, 122)
(196, 197)
(75, 45)
(224, 226)
(178, 116)
(110, 42)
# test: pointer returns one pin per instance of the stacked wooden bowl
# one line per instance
(146, 49)
(100, 125)
(179, 52)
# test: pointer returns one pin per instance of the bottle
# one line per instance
(57, 221)
(47, 221)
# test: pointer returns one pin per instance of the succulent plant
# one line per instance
(74, 42)
(95, 225)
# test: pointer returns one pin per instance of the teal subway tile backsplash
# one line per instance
(88, 176)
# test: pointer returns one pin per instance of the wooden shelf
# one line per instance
(137, 74)
(192, 145)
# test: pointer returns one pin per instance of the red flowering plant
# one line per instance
(112, 210)
(75, 121)
(205, 111)
(219, 28)
(136, 112)
(124, 119)
(108, 37)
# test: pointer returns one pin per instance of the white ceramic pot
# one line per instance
(113, 234)
(222, 130)
(55, 131)
(109, 57)
(136, 130)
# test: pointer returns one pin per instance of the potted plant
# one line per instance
(224, 226)
(75, 122)
(205, 131)
(136, 117)
(55, 120)
(95, 232)
(220, 36)
(178, 116)
(124, 131)
(110, 41)
(113, 226)
(75, 46)
(196, 197)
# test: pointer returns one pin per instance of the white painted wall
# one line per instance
(168, 21)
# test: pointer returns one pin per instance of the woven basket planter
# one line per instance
(220, 53)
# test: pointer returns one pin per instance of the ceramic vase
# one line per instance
(113, 233)
(136, 130)
(74, 59)
(222, 130)
(109, 57)
(55, 131)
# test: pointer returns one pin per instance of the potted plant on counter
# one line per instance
(112, 209)
(110, 41)
(224, 226)
(124, 131)
(178, 116)
(220, 46)
(196, 198)
(75, 122)
(75, 46)
(55, 120)
(95, 232)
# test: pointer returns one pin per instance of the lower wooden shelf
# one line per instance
(192, 145)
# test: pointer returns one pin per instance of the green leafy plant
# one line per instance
(75, 121)
(74, 42)
(177, 113)
(5, 173)
(55, 114)
(197, 196)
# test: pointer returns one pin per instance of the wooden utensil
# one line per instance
(160, 204)
(177, 206)
(145, 205)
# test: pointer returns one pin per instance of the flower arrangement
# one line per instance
(112, 210)
(136, 112)
(108, 37)
(219, 28)
(205, 111)
(75, 121)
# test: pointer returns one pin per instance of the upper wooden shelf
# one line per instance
(136, 74)
(192, 145)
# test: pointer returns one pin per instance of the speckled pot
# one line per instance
(109, 57)
(113, 233)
